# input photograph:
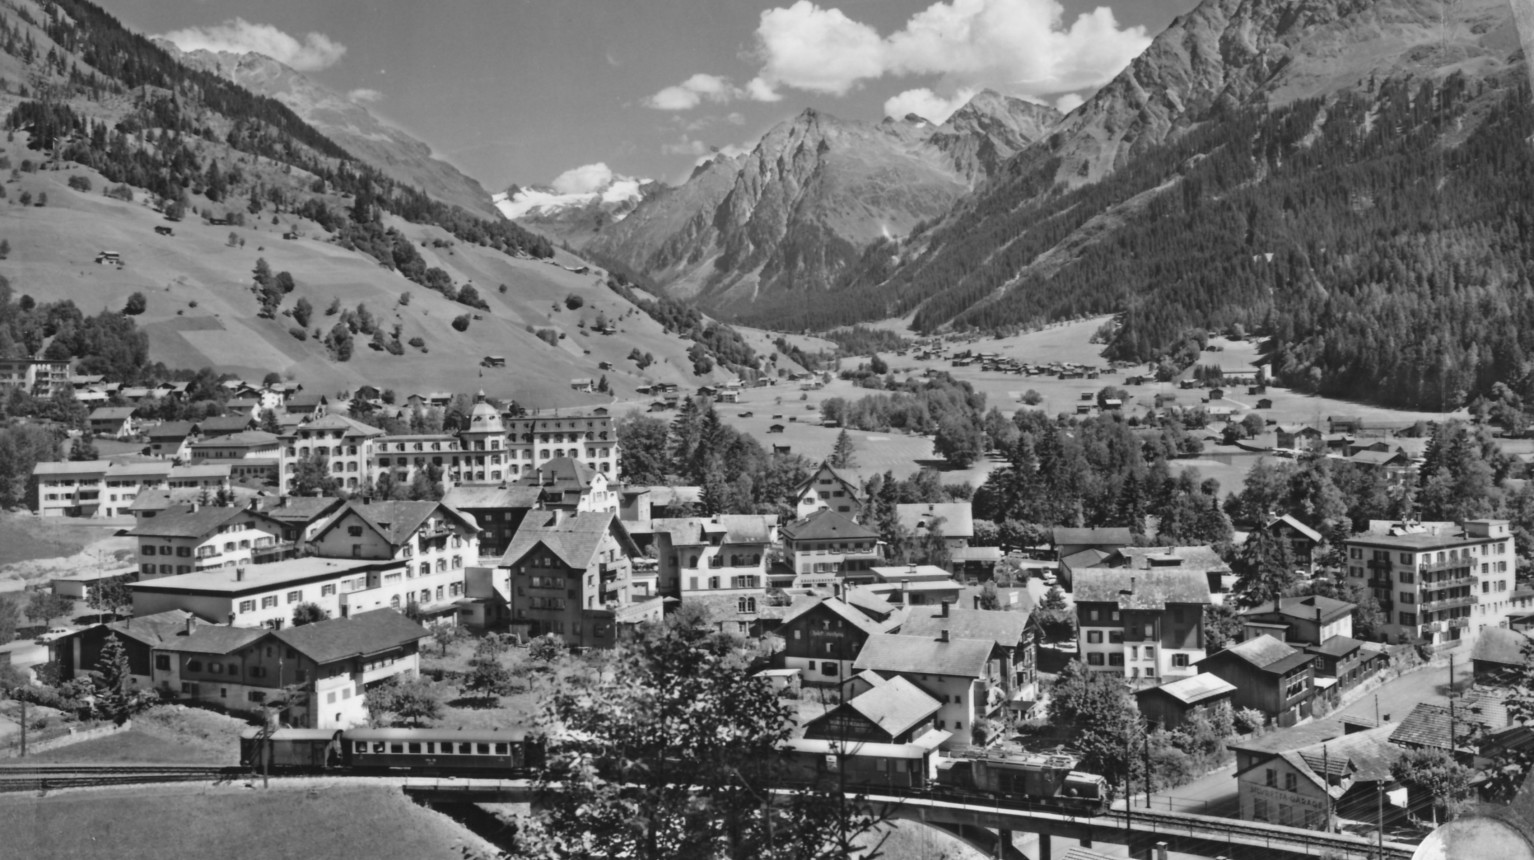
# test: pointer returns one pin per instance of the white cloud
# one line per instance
(693, 92)
(315, 51)
(363, 95)
(586, 179)
(927, 104)
(1021, 47)
(1069, 102)
(818, 50)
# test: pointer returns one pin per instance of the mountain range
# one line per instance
(798, 209)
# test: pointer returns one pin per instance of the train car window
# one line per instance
(415, 747)
(378, 746)
(360, 747)
(430, 748)
(502, 749)
(396, 748)
(465, 749)
(482, 749)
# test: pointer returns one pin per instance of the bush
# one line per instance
(80, 183)
(549, 336)
(546, 649)
(136, 305)
(1248, 720)
(418, 343)
(298, 332)
(574, 302)
(461, 322)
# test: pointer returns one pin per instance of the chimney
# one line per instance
(942, 635)
(943, 611)
(239, 573)
(559, 517)
(836, 589)
(191, 624)
(1131, 584)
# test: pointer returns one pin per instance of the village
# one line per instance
(247, 597)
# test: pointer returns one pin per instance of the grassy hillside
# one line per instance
(201, 310)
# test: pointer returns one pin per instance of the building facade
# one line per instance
(1438, 583)
(532, 441)
(1144, 624)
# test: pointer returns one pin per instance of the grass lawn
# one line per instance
(169, 734)
(24, 537)
(235, 823)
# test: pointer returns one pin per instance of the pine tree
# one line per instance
(842, 454)
(114, 699)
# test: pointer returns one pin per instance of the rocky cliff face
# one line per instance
(1228, 53)
(792, 214)
(346, 122)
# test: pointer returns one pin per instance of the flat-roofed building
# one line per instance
(70, 489)
(533, 440)
(36, 376)
(265, 595)
(1440, 582)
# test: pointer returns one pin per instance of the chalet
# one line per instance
(827, 545)
(1170, 705)
(584, 384)
(822, 637)
(953, 522)
(1268, 675)
(828, 489)
(173, 439)
(959, 673)
(1015, 635)
(199, 537)
(1304, 541)
(886, 735)
(115, 422)
(1499, 655)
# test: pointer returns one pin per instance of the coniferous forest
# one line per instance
(1378, 238)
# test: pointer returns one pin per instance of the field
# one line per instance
(201, 311)
(234, 822)
(33, 548)
(168, 734)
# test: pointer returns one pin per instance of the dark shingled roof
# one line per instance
(183, 522)
(361, 634)
(827, 525)
(1337, 646)
(301, 509)
(153, 630)
(843, 610)
(574, 538)
(171, 430)
(1150, 589)
(1304, 608)
(213, 639)
(396, 521)
(1004, 628)
(487, 496)
(1266, 653)
(1428, 726)
(888, 652)
(1103, 536)
(895, 706)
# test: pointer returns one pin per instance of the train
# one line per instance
(512, 753)
(1039, 780)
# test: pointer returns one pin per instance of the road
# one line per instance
(1215, 793)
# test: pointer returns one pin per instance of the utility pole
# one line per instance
(1146, 736)
(1379, 811)
(1326, 776)
(23, 726)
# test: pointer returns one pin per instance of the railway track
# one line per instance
(49, 777)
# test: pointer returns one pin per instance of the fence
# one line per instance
(58, 736)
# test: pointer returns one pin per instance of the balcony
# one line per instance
(430, 532)
(1449, 603)
(1386, 604)
(1451, 564)
(1378, 564)
(1380, 582)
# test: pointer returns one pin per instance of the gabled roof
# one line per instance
(1304, 608)
(1061, 536)
(1336, 646)
(172, 430)
(1365, 756)
(1264, 653)
(1151, 589)
(152, 630)
(889, 652)
(1006, 629)
(359, 635)
(1194, 688)
(828, 525)
(854, 490)
(488, 497)
(869, 602)
(837, 607)
(112, 413)
(1501, 645)
(225, 425)
(332, 423)
(573, 538)
(1377, 458)
(561, 473)
(896, 706)
(1201, 558)
(245, 438)
(213, 639)
(395, 522)
(958, 518)
(694, 531)
(1428, 726)
(1298, 526)
(189, 521)
(301, 509)
(1086, 558)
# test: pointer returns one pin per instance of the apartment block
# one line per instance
(1142, 623)
(532, 441)
(1441, 582)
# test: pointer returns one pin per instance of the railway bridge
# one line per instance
(986, 825)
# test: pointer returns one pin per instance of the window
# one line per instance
(1291, 782)
(295, 596)
(1094, 637)
(162, 662)
(269, 602)
(1115, 659)
(1180, 661)
(247, 606)
(1094, 659)
(327, 590)
(829, 667)
(1272, 777)
(256, 696)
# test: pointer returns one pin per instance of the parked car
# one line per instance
(51, 634)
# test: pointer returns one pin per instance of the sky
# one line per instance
(534, 91)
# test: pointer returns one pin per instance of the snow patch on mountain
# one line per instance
(578, 187)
